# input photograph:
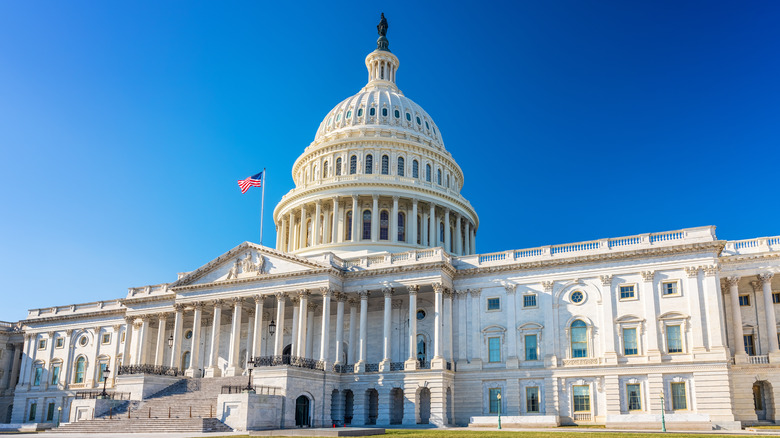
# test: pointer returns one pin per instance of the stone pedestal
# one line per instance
(410, 365)
(249, 411)
(213, 372)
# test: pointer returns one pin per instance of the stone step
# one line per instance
(145, 426)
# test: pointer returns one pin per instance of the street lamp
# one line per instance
(170, 342)
(272, 327)
(249, 387)
(663, 419)
(498, 396)
(104, 394)
(59, 415)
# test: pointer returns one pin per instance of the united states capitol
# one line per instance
(375, 308)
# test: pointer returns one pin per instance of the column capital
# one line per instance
(396, 198)
(510, 288)
(303, 293)
(352, 301)
(115, 327)
(237, 301)
(162, 316)
(475, 292)
(462, 293)
(548, 286)
(375, 197)
(710, 270)
(258, 298)
(129, 319)
(336, 198)
(732, 281)
(448, 293)
(146, 318)
(197, 305)
(340, 297)
(280, 295)
(138, 324)
(648, 275)
(692, 271)
(438, 288)
(295, 300)
(318, 202)
(217, 303)
(413, 289)
(606, 280)
(356, 198)
(388, 292)
(765, 277)
(178, 307)
(312, 307)
(326, 292)
(414, 201)
(363, 294)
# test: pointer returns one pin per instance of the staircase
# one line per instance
(188, 405)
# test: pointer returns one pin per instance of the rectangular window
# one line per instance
(630, 344)
(581, 398)
(627, 292)
(529, 300)
(106, 338)
(493, 395)
(50, 412)
(679, 400)
(531, 348)
(744, 300)
(494, 349)
(42, 344)
(532, 399)
(55, 374)
(493, 304)
(669, 288)
(38, 375)
(634, 397)
(750, 347)
(776, 297)
(102, 371)
(673, 339)
(59, 342)
(33, 408)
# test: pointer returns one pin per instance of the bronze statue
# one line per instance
(381, 28)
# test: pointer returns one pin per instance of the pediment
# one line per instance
(246, 261)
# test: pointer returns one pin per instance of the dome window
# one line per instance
(360, 112)
(428, 172)
(409, 117)
(448, 179)
(369, 169)
(338, 117)
(330, 121)
(384, 225)
(372, 112)
(348, 226)
(325, 169)
(426, 125)
(338, 166)
(349, 114)
(418, 120)
(438, 176)
(397, 114)
(415, 169)
(400, 166)
(353, 165)
(401, 227)
(367, 225)
(384, 112)
(385, 165)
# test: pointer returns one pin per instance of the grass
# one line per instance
(561, 432)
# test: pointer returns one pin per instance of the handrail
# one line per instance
(160, 370)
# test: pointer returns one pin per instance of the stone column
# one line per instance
(458, 236)
(352, 354)
(178, 323)
(302, 233)
(387, 344)
(193, 370)
(213, 368)
(303, 295)
(511, 326)
(68, 365)
(467, 236)
(26, 358)
(736, 319)
(394, 221)
(279, 341)
(234, 368)
(250, 337)
(162, 320)
(335, 225)
(327, 294)
(448, 324)
(438, 360)
(433, 239)
(17, 359)
(715, 308)
(340, 298)
(128, 340)
(317, 213)
(296, 302)
(413, 223)
(476, 329)
(473, 240)
(309, 353)
(649, 299)
(424, 230)
(142, 340)
(463, 295)
(411, 362)
(610, 355)
(355, 218)
(691, 288)
(765, 280)
(375, 218)
(360, 366)
(326, 225)
(447, 237)
(257, 336)
(290, 225)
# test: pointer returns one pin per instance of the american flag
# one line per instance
(252, 181)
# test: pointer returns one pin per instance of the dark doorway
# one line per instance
(396, 406)
(763, 401)
(302, 417)
(372, 398)
(349, 406)
(424, 403)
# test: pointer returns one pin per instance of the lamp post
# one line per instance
(59, 415)
(249, 387)
(663, 419)
(104, 394)
(499, 410)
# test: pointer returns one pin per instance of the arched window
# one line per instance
(421, 353)
(448, 178)
(81, 368)
(314, 173)
(401, 227)
(338, 166)
(360, 112)
(579, 339)
(185, 360)
(325, 170)
(400, 166)
(348, 231)
(428, 172)
(438, 176)
(384, 225)
(369, 164)
(385, 165)
(353, 165)
(441, 232)
(372, 111)
(415, 169)
(384, 112)
(367, 225)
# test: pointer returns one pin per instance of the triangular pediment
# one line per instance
(246, 261)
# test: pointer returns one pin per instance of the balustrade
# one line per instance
(160, 370)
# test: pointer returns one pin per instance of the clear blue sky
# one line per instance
(125, 125)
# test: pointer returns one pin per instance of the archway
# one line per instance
(336, 408)
(286, 354)
(372, 408)
(763, 401)
(396, 406)
(302, 417)
(424, 405)
(349, 406)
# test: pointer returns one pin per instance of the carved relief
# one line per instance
(247, 266)
(606, 280)
(648, 275)
(692, 271)
(548, 286)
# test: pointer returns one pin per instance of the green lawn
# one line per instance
(559, 433)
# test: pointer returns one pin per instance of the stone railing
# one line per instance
(344, 369)
(758, 360)
(580, 361)
(72, 309)
(160, 370)
(110, 395)
(404, 258)
(288, 360)
(751, 246)
(583, 416)
(594, 247)
(396, 366)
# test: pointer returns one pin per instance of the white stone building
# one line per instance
(375, 308)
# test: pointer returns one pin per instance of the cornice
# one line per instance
(716, 246)
(265, 277)
(736, 260)
(443, 266)
(148, 299)
(96, 314)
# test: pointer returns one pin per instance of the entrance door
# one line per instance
(760, 401)
(302, 412)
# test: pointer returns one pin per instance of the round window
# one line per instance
(83, 341)
(188, 335)
(577, 297)
(420, 314)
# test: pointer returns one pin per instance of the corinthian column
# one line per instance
(302, 234)
(327, 293)
(128, 340)
(394, 221)
(765, 280)
(334, 228)
(302, 320)
(340, 298)
(234, 368)
(736, 319)
(213, 370)
(162, 320)
(447, 238)
(360, 366)
(257, 337)
(375, 218)
(411, 362)
(279, 341)
(193, 370)
(178, 321)
(433, 239)
(385, 364)
(412, 221)
(438, 361)
(317, 213)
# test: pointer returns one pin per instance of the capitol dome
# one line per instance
(379, 154)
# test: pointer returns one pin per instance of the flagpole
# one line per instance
(262, 207)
